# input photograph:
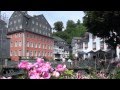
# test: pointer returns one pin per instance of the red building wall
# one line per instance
(25, 48)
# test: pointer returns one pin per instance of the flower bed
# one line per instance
(43, 70)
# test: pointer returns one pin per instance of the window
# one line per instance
(11, 29)
(48, 53)
(36, 23)
(20, 26)
(39, 45)
(16, 28)
(33, 29)
(16, 35)
(15, 52)
(20, 53)
(86, 45)
(16, 44)
(40, 31)
(81, 45)
(11, 23)
(35, 54)
(20, 43)
(94, 37)
(49, 34)
(102, 45)
(19, 20)
(36, 30)
(40, 25)
(27, 53)
(19, 34)
(10, 53)
(94, 45)
(26, 23)
(36, 45)
(33, 22)
(31, 44)
(11, 44)
(15, 22)
(28, 44)
(43, 46)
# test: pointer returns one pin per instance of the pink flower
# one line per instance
(56, 74)
(29, 66)
(61, 68)
(46, 75)
(48, 64)
(51, 70)
(45, 69)
(32, 72)
(41, 78)
(35, 65)
(40, 60)
(35, 76)
(23, 65)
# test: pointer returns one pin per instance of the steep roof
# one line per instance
(58, 38)
(25, 14)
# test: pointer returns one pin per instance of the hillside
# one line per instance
(77, 30)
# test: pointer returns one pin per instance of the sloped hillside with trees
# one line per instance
(72, 30)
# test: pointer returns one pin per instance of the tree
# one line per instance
(72, 30)
(58, 26)
(104, 24)
(70, 24)
(78, 22)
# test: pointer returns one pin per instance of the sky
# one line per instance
(54, 16)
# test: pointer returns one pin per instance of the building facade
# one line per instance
(61, 49)
(4, 41)
(89, 43)
(30, 36)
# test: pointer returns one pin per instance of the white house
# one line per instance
(89, 43)
(61, 49)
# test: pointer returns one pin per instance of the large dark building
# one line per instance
(30, 36)
(4, 41)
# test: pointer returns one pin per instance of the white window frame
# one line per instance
(19, 20)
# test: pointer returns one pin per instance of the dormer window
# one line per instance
(15, 22)
(36, 23)
(33, 22)
(19, 20)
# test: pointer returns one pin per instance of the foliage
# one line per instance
(104, 24)
(72, 30)
(43, 70)
(71, 56)
(58, 26)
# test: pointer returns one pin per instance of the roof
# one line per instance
(66, 48)
(2, 22)
(76, 37)
(58, 38)
(25, 14)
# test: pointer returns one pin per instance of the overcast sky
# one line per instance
(53, 16)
